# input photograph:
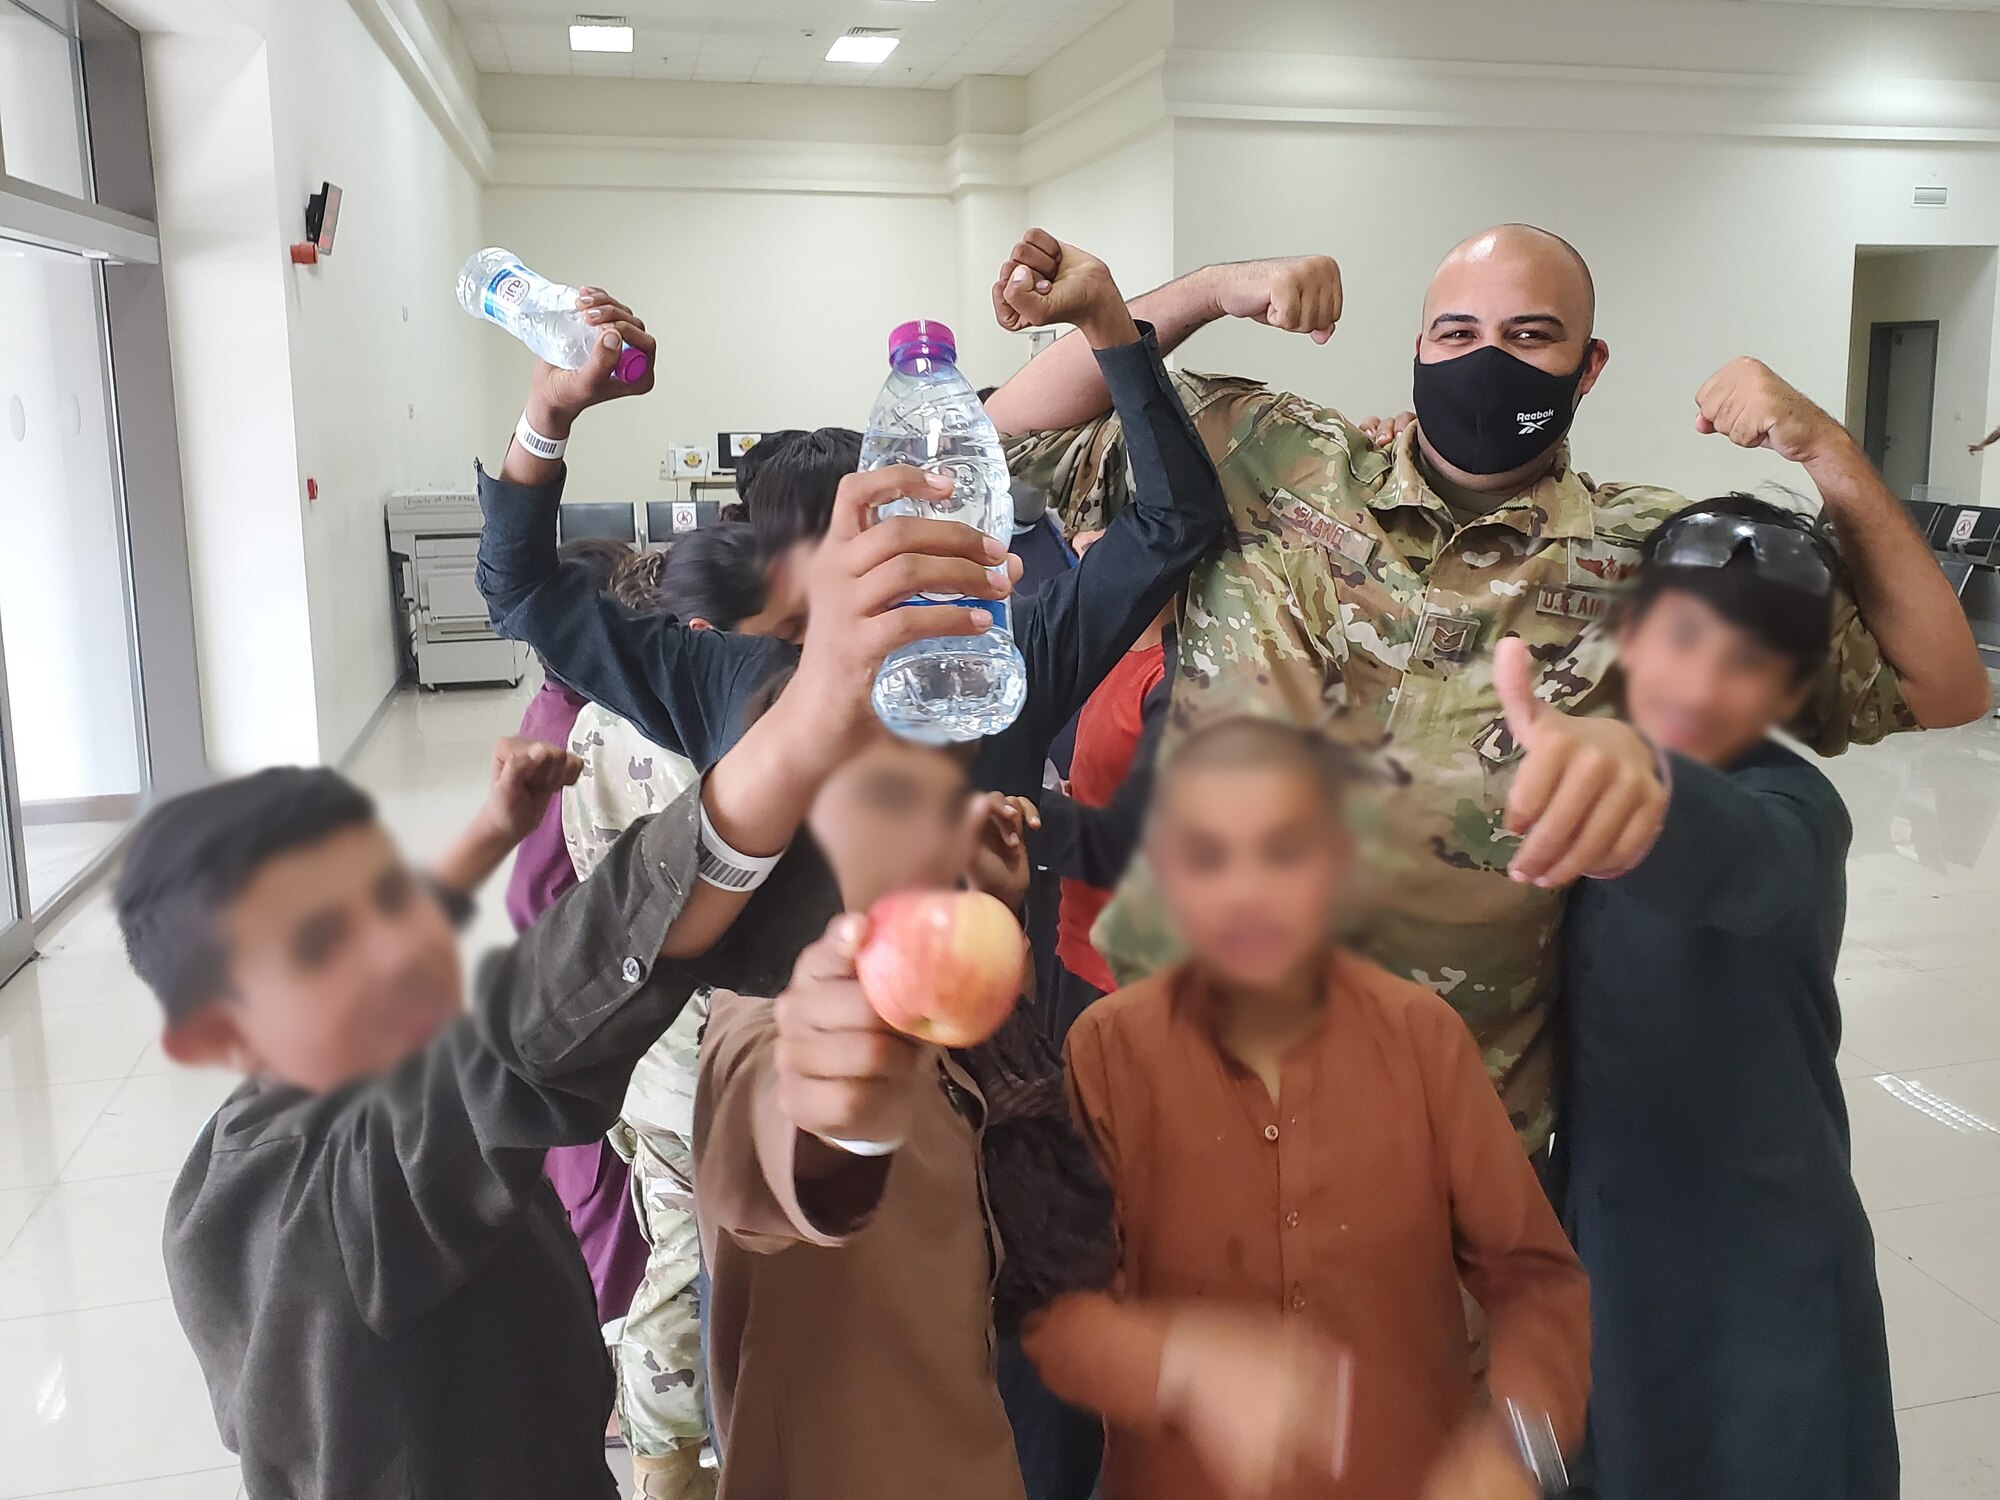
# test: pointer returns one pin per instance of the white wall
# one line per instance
(1119, 206)
(385, 365)
(1702, 248)
(210, 100)
(285, 373)
(1954, 288)
(1717, 164)
(773, 310)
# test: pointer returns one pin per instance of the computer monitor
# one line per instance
(667, 519)
(618, 521)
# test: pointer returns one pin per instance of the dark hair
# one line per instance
(193, 854)
(791, 499)
(1244, 743)
(599, 557)
(1786, 619)
(985, 392)
(758, 454)
(715, 575)
(635, 583)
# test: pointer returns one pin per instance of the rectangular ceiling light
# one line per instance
(863, 44)
(600, 34)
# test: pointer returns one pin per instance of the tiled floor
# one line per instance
(100, 1397)
(57, 853)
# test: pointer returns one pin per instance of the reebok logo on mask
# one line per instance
(1489, 413)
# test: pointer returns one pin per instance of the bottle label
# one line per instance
(994, 607)
(505, 293)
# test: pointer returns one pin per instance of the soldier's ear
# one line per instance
(1596, 355)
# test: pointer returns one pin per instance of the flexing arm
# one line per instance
(1076, 627)
(1062, 386)
(1904, 598)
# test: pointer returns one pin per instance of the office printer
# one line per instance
(433, 551)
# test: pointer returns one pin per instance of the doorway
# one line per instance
(1902, 392)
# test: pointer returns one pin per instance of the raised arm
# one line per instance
(1061, 386)
(1984, 443)
(1076, 627)
(1742, 853)
(685, 689)
(1905, 600)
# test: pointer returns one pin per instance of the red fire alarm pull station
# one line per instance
(312, 488)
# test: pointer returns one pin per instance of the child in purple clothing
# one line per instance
(542, 870)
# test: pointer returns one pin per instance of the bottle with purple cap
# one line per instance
(960, 687)
(542, 314)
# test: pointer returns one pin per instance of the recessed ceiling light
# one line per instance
(863, 44)
(600, 34)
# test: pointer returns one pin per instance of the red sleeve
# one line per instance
(1511, 1250)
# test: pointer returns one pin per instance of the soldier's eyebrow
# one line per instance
(1442, 318)
(1549, 320)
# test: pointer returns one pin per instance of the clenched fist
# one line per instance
(1299, 293)
(1044, 281)
(1749, 404)
(525, 775)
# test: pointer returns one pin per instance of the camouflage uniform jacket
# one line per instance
(1348, 596)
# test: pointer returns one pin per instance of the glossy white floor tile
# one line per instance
(100, 1398)
(1949, 1451)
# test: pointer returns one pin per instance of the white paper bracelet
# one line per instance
(535, 443)
(727, 868)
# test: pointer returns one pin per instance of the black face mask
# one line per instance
(1489, 413)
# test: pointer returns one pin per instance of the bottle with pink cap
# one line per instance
(542, 314)
(956, 687)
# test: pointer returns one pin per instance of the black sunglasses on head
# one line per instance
(1782, 554)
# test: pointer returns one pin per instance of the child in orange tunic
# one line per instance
(1287, 1127)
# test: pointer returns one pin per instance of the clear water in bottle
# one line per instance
(956, 687)
(542, 314)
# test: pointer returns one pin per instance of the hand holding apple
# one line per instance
(842, 1074)
(942, 966)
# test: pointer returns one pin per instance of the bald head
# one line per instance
(1533, 271)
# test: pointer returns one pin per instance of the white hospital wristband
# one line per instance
(863, 1148)
(730, 869)
(535, 443)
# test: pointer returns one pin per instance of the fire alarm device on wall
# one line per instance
(323, 217)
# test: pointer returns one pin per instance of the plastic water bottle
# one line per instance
(957, 687)
(542, 314)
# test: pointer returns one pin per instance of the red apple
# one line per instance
(942, 966)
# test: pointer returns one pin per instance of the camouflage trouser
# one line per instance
(660, 1373)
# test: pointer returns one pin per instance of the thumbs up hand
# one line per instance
(1587, 797)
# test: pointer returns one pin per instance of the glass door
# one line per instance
(17, 930)
(65, 611)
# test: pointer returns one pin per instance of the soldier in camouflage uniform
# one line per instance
(1364, 590)
(661, 1379)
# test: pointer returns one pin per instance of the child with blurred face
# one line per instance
(1294, 1133)
(1739, 1343)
